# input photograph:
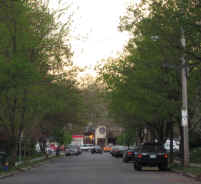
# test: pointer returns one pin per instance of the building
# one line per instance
(101, 135)
(77, 140)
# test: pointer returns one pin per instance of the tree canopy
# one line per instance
(144, 85)
(37, 76)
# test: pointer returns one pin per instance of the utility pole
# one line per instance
(184, 110)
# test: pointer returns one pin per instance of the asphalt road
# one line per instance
(94, 169)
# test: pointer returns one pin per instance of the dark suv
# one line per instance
(151, 154)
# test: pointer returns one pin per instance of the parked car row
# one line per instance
(147, 154)
(76, 150)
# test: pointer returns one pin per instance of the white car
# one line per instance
(176, 145)
(86, 147)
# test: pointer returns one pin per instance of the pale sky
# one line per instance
(95, 34)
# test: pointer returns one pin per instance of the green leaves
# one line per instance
(34, 51)
(62, 136)
(17, 74)
(140, 89)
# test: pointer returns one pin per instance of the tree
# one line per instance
(62, 137)
(138, 82)
(32, 48)
(127, 138)
(144, 84)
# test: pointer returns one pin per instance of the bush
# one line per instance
(195, 140)
(195, 155)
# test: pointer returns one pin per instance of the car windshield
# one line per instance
(123, 147)
(115, 147)
(89, 145)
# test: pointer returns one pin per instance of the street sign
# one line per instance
(184, 122)
(184, 116)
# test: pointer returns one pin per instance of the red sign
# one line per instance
(77, 136)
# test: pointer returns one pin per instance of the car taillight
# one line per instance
(129, 153)
(139, 156)
(166, 155)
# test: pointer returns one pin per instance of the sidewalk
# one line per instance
(35, 161)
(193, 171)
(191, 164)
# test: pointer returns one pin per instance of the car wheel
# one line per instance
(137, 167)
(163, 167)
(125, 160)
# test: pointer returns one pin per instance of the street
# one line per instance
(90, 168)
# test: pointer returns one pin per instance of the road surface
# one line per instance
(93, 169)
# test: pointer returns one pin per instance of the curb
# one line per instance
(24, 169)
(8, 175)
(190, 164)
(12, 173)
(197, 178)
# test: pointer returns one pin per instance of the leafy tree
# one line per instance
(32, 48)
(144, 85)
(62, 137)
(140, 86)
(127, 138)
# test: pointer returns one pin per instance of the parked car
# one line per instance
(176, 145)
(72, 150)
(114, 149)
(153, 155)
(107, 148)
(67, 151)
(86, 147)
(130, 154)
(75, 151)
(77, 147)
(118, 151)
(97, 149)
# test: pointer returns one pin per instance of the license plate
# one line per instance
(152, 156)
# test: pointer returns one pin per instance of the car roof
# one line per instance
(152, 144)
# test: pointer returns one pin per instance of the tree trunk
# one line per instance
(171, 142)
(181, 144)
(12, 151)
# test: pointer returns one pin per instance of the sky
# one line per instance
(95, 34)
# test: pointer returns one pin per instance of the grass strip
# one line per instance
(28, 164)
(195, 171)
